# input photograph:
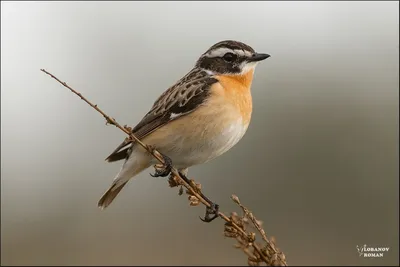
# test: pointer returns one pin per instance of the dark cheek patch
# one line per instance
(218, 65)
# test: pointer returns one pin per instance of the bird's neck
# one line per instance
(237, 91)
(244, 79)
(241, 82)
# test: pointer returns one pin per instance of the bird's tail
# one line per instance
(131, 168)
(110, 194)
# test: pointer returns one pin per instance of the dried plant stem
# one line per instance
(251, 217)
(246, 239)
(125, 129)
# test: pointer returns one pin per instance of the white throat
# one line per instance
(248, 66)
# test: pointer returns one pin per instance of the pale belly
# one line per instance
(197, 149)
(196, 140)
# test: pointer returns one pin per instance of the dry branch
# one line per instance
(235, 225)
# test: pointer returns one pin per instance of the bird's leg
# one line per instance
(166, 169)
(212, 211)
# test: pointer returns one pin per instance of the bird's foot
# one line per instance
(211, 213)
(165, 169)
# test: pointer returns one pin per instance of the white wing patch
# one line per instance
(173, 116)
(209, 72)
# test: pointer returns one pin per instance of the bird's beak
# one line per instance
(258, 57)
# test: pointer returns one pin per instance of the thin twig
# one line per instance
(250, 215)
(112, 121)
(246, 238)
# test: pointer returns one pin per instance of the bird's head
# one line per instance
(230, 57)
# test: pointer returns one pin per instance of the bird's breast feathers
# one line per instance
(212, 129)
(235, 89)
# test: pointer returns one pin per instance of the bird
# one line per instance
(199, 118)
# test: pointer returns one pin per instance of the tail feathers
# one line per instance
(118, 153)
(135, 164)
(110, 194)
(116, 156)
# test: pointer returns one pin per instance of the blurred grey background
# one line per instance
(319, 163)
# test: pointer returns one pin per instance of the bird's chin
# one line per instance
(249, 66)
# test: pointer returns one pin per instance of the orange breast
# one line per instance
(237, 91)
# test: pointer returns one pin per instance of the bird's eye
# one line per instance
(229, 57)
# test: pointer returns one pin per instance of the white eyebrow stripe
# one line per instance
(246, 53)
(223, 50)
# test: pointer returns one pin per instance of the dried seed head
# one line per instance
(278, 259)
(235, 199)
(129, 129)
(251, 237)
(253, 262)
(275, 260)
(237, 219)
(231, 235)
(192, 198)
(180, 191)
(194, 201)
(230, 229)
(198, 186)
(265, 251)
(244, 243)
(239, 222)
(282, 256)
(195, 186)
(234, 217)
(237, 245)
(173, 181)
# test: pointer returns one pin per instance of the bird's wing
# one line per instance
(180, 99)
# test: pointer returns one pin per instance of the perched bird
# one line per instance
(196, 120)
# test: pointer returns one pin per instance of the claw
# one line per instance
(165, 170)
(213, 210)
